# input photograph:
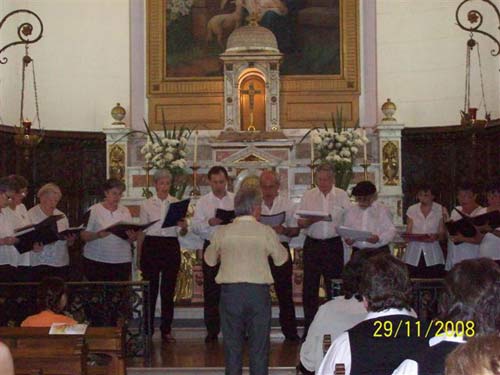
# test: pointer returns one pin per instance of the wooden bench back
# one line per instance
(61, 355)
(109, 341)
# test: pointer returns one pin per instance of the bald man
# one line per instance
(273, 204)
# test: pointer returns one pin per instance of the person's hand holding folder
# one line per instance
(8, 241)
(214, 221)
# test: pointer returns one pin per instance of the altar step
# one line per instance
(201, 370)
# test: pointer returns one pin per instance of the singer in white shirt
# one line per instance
(369, 216)
(323, 248)
(273, 204)
(204, 224)
(159, 252)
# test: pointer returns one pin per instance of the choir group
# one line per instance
(320, 213)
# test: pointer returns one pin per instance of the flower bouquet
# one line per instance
(337, 145)
(166, 151)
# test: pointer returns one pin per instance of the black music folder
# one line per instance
(273, 220)
(44, 232)
(490, 218)
(176, 211)
(71, 230)
(120, 229)
(227, 216)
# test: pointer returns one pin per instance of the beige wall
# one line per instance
(82, 63)
(421, 62)
(85, 63)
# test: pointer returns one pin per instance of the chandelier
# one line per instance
(25, 137)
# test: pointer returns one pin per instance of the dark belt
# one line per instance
(324, 240)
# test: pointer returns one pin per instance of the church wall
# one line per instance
(421, 62)
(82, 63)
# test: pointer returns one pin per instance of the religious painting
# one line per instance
(307, 31)
(319, 72)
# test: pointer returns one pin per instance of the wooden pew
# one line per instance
(109, 341)
(61, 355)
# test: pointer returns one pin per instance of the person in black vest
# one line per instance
(376, 345)
(471, 298)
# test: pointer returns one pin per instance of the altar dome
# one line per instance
(252, 38)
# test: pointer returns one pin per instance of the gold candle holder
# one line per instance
(195, 192)
(145, 191)
(312, 166)
(366, 164)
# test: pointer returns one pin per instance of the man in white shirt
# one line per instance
(204, 224)
(323, 248)
(376, 345)
(273, 204)
(369, 216)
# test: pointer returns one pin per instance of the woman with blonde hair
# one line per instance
(53, 259)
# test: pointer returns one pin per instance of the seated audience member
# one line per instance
(471, 296)
(52, 299)
(425, 259)
(6, 362)
(335, 316)
(490, 243)
(480, 355)
(371, 216)
(459, 246)
(376, 346)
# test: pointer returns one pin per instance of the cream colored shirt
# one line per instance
(156, 209)
(243, 248)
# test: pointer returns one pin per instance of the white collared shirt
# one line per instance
(433, 254)
(335, 202)
(205, 210)
(54, 254)
(410, 367)
(156, 209)
(110, 249)
(333, 318)
(463, 251)
(490, 244)
(8, 253)
(375, 219)
(282, 204)
(340, 351)
(18, 219)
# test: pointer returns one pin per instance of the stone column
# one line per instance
(390, 177)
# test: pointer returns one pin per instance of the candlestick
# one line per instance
(363, 133)
(312, 148)
(195, 192)
(195, 156)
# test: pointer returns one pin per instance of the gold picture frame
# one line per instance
(305, 100)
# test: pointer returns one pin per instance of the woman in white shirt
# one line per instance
(159, 252)
(490, 243)
(8, 253)
(459, 246)
(107, 257)
(17, 214)
(425, 258)
(53, 260)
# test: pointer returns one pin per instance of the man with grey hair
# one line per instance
(323, 248)
(273, 204)
(243, 248)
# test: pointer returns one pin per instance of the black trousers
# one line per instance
(422, 271)
(38, 273)
(161, 260)
(211, 296)
(369, 251)
(99, 271)
(321, 257)
(282, 276)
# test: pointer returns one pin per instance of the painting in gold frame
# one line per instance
(189, 99)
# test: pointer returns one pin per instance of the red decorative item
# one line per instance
(473, 113)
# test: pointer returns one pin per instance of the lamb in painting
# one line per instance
(223, 24)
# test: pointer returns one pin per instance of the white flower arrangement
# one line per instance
(178, 8)
(337, 145)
